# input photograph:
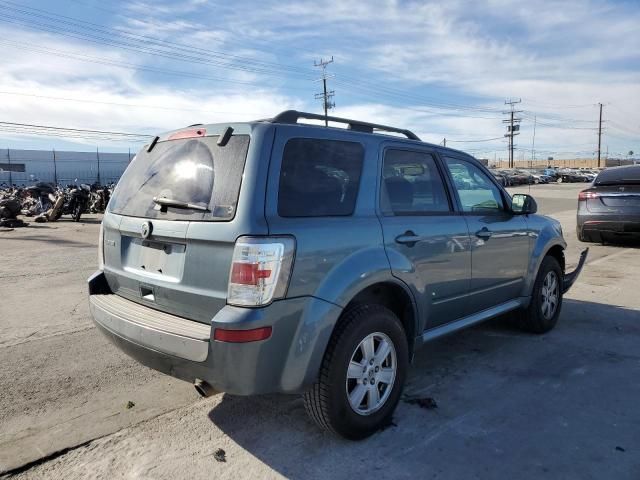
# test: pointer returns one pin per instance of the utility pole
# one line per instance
(533, 142)
(599, 134)
(444, 142)
(325, 96)
(513, 127)
(10, 176)
(55, 168)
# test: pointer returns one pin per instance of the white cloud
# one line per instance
(550, 53)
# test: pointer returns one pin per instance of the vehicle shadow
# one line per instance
(474, 377)
(56, 241)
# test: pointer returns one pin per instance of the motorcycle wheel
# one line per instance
(77, 212)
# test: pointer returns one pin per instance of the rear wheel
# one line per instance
(546, 300)
(362, 373)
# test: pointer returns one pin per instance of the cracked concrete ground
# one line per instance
(510, 405)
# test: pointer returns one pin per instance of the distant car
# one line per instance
(527, 177)
(570, 176)
(501, 178)
(516, 178)
(611, 207)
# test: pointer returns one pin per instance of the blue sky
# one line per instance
(442, 69)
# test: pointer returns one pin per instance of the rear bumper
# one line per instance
(289, 361)
(598, 223)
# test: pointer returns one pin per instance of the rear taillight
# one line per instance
(101, 248)
(586, 194)
(260, 270)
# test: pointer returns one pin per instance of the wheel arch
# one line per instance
(396, 296)
(554, 247)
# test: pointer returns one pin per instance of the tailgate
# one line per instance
(179, 269)
(171, 225)
(616, 199)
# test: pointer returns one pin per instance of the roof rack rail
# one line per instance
(292, 116)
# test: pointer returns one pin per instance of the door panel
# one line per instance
(499, 260)
(426, 241)
(499, 239)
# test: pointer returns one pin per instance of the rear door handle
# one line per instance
(408, 238)
(484, 233)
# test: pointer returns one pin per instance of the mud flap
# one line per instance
(570, 278)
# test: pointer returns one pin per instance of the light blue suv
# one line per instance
(278, 256)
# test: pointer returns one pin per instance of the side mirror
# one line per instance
(523, 204)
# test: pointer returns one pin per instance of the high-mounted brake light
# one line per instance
(260, 270)
(197, 132)
(241, 336)
(586, 194)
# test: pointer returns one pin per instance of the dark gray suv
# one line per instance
(277, 256)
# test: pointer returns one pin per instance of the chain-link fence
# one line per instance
(25, 167)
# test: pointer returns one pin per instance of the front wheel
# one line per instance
(362, 373)
(546, 300)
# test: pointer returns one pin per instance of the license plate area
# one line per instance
(153, 259)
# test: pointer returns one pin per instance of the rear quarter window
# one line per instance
(319, 178)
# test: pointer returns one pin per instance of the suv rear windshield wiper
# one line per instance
(170, 202)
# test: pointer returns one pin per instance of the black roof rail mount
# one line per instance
(292, 116)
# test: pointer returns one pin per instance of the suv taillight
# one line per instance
(260, 270)
(586, 194)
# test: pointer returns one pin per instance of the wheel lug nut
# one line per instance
(377, 369)
(371, 362)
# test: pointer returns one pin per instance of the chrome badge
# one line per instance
(146, 229)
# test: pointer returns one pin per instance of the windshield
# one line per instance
(193, 171)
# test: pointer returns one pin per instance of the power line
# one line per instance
(475, 141)
(89, 29)
(126, 65)
(137, 105)
(169, 49)
(124, 134)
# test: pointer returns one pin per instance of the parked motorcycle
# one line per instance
(73, 201)
(99, 199)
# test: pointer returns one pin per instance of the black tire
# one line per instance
(327, 402)
(533, 319)
(77, 212)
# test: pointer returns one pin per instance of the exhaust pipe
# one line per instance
(203, 388)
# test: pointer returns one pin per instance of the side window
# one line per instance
(477, 193)
(411, 184)
(319, 178)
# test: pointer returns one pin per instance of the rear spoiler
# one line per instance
(570, 278)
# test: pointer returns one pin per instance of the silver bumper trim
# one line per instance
(150, 328)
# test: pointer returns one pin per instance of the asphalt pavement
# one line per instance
(505, 404)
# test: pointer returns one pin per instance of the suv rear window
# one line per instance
(194, 170)
(619, 176)
(319, 178)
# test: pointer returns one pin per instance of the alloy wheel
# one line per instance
(550, 294)
(371, 373)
